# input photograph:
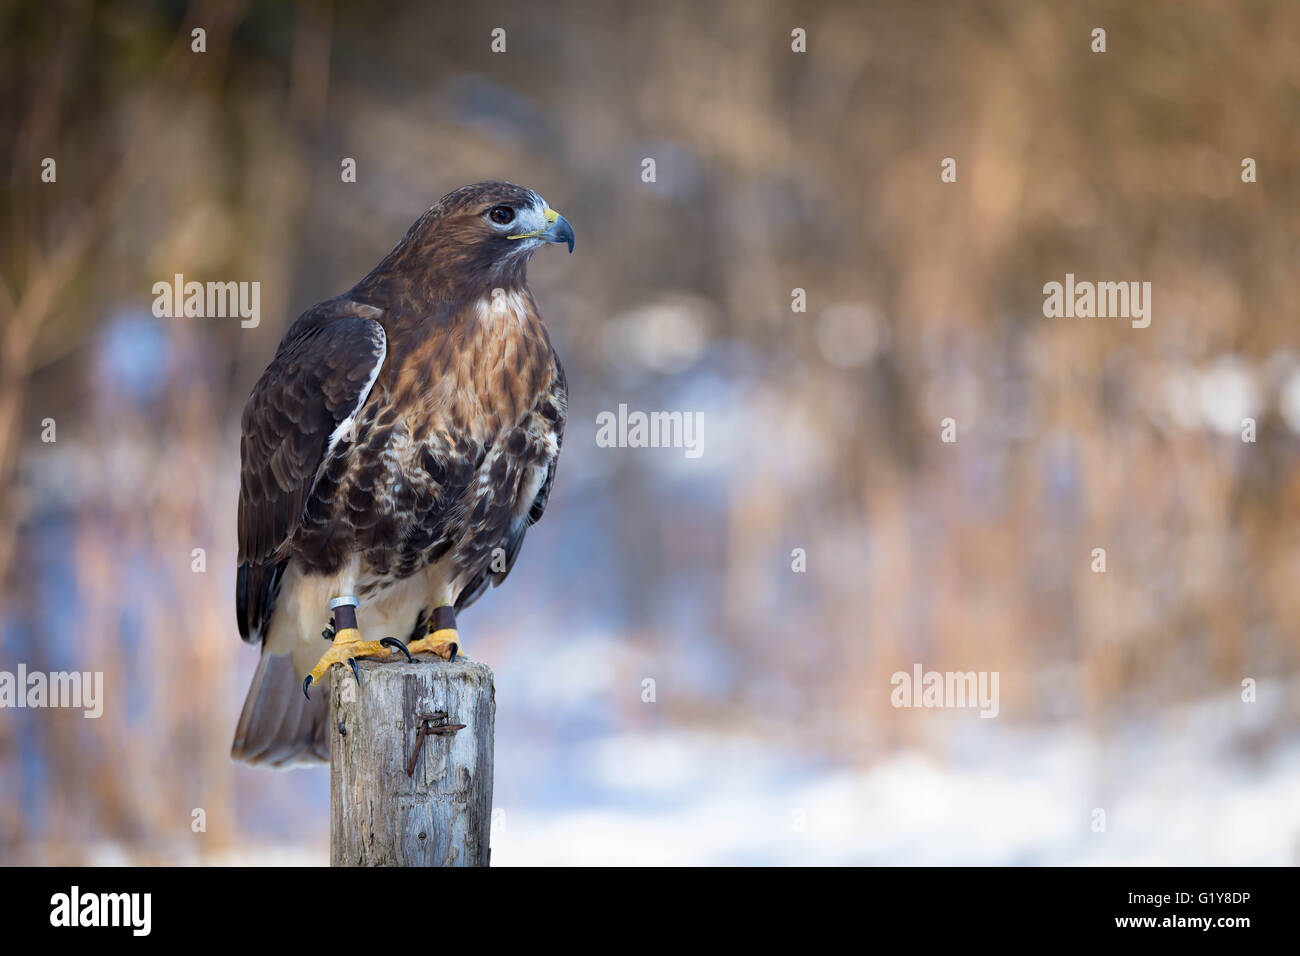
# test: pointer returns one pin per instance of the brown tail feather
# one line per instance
(279, 726)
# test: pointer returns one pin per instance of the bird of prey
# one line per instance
(395, 451)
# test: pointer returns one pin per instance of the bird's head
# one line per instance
(502, 219)
(483, 233)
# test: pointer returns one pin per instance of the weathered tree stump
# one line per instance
(401, 718)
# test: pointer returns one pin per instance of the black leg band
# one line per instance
(442, 617)
(345, 616)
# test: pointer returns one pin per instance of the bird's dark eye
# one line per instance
(501, 215)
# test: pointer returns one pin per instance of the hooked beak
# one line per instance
(557, 230)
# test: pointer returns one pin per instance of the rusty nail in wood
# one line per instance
(426, 729)
(415, 754)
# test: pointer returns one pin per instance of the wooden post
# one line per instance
(441, 814)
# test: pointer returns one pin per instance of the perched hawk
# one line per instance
(394, 453)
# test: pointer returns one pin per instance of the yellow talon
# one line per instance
(347, 646)
(445, 643)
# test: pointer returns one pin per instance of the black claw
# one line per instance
(394, 642)
(352, 662)
(455, 649)
(306, 682)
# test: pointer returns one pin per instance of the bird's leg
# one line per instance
(441, 638)
(347, 644)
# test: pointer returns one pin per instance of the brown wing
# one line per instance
(559, 403)
(320, 377)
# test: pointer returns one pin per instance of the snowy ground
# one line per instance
(1183, 790)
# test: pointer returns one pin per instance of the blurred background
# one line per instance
(771, 737)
